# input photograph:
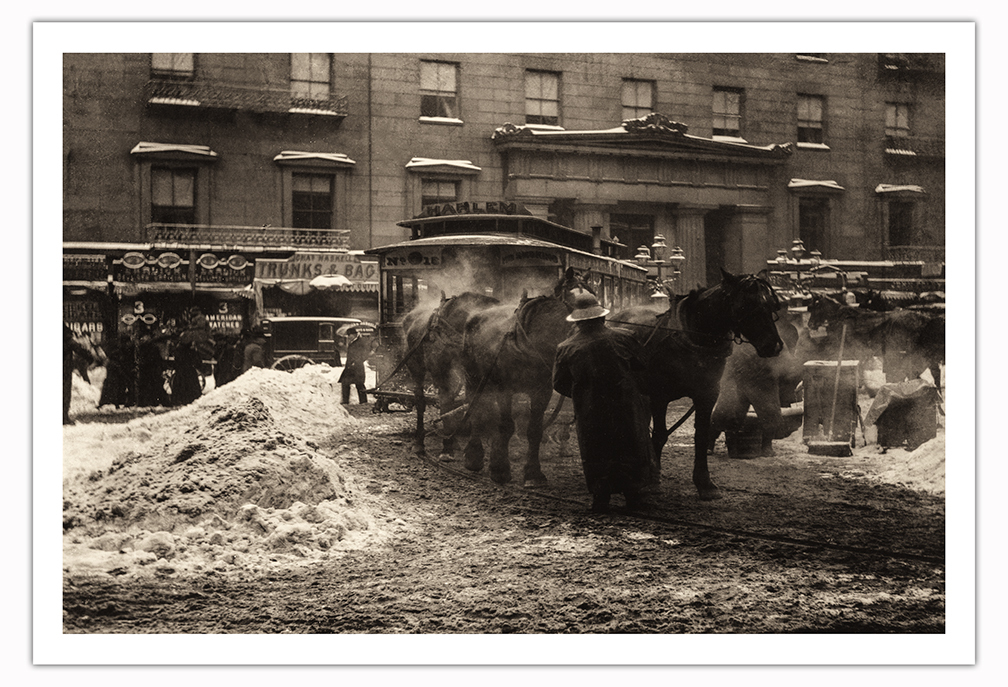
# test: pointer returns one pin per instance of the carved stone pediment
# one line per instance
(508, 129)
(655, 122)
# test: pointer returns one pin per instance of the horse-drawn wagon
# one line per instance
(293, 342)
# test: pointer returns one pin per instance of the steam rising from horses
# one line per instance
(465, 274)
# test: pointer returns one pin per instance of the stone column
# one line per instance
(588, 215)
(749, 224)
(689, 236)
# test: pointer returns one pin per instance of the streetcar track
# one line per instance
(658, 518)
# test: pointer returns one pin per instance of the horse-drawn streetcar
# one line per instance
(496, 251)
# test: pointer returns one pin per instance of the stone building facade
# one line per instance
(729, 156)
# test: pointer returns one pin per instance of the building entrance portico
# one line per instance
(649, 175)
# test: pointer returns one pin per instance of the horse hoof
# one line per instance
(501, 477)
(535, 483)
(711, 494)
(446, 457)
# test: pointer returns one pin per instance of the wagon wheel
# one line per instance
(289, 363)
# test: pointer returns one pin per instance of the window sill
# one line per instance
(545, 127)
(810, 58)
(447, 121)
(729, 139)
(812, 146)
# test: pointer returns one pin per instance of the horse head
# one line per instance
(821, 310)
(753, 305)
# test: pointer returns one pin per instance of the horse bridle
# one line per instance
(737, 320)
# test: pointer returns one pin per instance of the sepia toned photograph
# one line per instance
(542, 342)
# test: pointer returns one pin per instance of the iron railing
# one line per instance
(213, 95)
(930, 254)
(235, 236)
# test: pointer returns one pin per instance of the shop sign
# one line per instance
(137, 268)
(413, 258)
(83, 316)
(169, 260)
(310, 265)
(208, 261)
(229, 323)
(528, 257)
(219, 275)
(84, 268)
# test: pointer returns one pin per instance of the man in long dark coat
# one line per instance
(358, 350)
(598, 368)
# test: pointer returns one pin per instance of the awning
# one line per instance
(155, 149)
(899, 188)
(428, 164)
(127, 288)
(300, 157)
(300, 287)
(823, 184)
(329, 281)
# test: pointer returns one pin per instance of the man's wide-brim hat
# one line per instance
(586, 307)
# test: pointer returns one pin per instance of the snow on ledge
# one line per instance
(432, 162)
(812, 146)
(442, 120)
(897, 188)
(815, 183)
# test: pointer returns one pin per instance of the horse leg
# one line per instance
(701, 473)
(420, 402)
(478, 412)
(538, 402)
(449, 425)
(500, 466)
(659, 428)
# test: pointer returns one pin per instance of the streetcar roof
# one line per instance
(493, 240)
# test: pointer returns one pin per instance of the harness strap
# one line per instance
(519, 329)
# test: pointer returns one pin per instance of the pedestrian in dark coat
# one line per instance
(71, 346)
(358, 350)
(601, 370)
(119, 388)
(186, 386)
(150, 367)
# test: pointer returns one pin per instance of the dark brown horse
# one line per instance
(918, 335)
(686, 348)
(433, 347)
(508, 351)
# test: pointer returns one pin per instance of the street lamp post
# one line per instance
(655, 257)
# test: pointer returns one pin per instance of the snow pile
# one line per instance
(923, 468)
(235, 480)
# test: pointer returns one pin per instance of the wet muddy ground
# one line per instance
(798, 544)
